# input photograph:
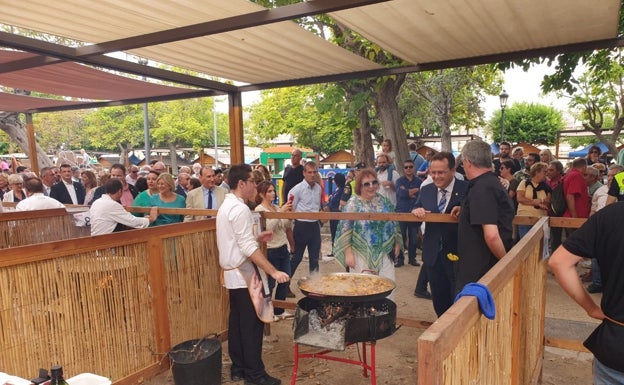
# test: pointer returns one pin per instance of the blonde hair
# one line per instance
(167, 179)
(15, 178)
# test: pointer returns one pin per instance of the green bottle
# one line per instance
(57, 376)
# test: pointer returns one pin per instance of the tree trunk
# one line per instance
(174, 158)
(362, 141)
(13, 126)
(388, 111)
(444, 120)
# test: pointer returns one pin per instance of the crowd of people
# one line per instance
(484, 192)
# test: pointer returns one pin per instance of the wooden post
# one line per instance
(237, 154)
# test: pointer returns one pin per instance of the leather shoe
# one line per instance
(593, 288)
(290, 294)
(266, 380)
(237, 377)
(414, 263)
(424, 295)
(398, 264)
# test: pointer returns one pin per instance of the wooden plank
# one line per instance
(49, 250)
(145, 374)
(515, 328)
(34, 214)
(156, 276)
(567, 344)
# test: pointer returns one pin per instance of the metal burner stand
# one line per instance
(323, 354)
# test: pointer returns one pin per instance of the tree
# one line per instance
(311, 114)
(116, 127)
(187, 122)
(434, 102)
(596, 95)
(528, 122)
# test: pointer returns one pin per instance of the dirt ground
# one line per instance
(397, 355)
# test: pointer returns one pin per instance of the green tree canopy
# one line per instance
(304, 113)
(528, 122)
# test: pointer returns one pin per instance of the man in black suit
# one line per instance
(67, 191)
(444, 195)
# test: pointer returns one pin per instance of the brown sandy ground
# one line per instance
(397, 355)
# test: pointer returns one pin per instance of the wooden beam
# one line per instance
(237, 140)
(228, 24)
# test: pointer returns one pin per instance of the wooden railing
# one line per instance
(31, 227)
(112, 304)
(115, 304)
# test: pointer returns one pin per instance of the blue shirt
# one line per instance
(402, 186)
(307, 198)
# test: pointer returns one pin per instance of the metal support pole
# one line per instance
(214, 126)
(502, 124)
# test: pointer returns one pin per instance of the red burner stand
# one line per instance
(324, 354)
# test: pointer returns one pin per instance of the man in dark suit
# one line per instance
(444, 195)
(68, 191)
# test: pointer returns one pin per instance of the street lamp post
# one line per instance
(146, 134)
(503, 103)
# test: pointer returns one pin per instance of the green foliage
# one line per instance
(65, 128)
(528, 122)
(4, 143)
(311, 114)
(111, 127)
(188, 122)
(430, 101)
(597, 94)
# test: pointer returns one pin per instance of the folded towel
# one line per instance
(484, 297)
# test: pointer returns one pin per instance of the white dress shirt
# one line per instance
(107, 213)
(38, 201)
(235, 239)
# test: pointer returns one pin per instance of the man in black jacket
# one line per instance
(67, 191)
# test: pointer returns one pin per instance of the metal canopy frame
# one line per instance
(96, 54)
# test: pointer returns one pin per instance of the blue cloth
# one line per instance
(486, 302)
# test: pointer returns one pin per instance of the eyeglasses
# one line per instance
(251, 180)
(406, 167)
(370, 184)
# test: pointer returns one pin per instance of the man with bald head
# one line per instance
(293, 174)
(209, 196)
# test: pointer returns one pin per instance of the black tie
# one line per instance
(209, 199)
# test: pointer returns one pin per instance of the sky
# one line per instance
(525, 87)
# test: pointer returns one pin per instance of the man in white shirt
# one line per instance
(306, 197)
(36, 198)
(387, 176)
(133, 175)
(67, 191)
(238, 245)
(108, 215)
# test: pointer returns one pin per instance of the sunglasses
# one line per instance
(406, 167)
(370, 184)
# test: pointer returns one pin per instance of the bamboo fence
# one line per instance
(111, 304)
(115, 304)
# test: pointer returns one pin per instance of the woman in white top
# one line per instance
(533, 195)
(16, 192)
(277, 248)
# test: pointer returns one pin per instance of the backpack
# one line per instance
(558, 204)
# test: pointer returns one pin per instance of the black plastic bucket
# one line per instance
(197, 362)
